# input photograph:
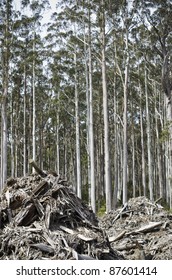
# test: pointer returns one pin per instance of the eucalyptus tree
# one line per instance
(125, 113)
(108, 184)
(20, 99)
(60, 35)
(6, 24)
(161, 27)
(157, 19)
(36, 9)
(91, 117)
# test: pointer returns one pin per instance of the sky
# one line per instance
(46, 14)
(52, 4)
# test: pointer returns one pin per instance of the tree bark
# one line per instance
(24, 125)
(57, 136)
(106, 119)
(5, 84)
(33, 104)
(77, 123)
(143, 172)
(148, 128)
(125, 152)
(91, 128)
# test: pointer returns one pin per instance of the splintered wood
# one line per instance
(140, 230)
(42, 218)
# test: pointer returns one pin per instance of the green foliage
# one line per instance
(102, 209)
(165, 134)
(85, 193)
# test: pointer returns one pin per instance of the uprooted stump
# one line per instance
(42, 218)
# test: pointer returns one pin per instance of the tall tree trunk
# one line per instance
(5, 78)
(133, 162)
(77, 123)
(91, 128)
(12, 136)
(4, 134)
(33, 105)
(106, 119)
(88, 119)
(24, 125)
(125, 153)
(143, 172)
(116, 154)
(148, 128)
(158, 145)
(167, 86)
(57, 135)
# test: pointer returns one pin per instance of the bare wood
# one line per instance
(118, 237)
(49, 240)
(156, 201)
(146, 228)
(39, 208)
(7, 195)
(41, 188)
(85, 238)
(68, 230)
(47, 216)
(37, 169)
(126, 247)
(0, 218)
(121, 211)
(43, 247)
(26, 216)
(81, 236)
(9, 214)
(77, 256)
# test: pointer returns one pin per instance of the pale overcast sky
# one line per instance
(52, 3)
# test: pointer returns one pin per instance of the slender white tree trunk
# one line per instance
(24, 124)
(148, 128)
(5, 77)
(4, 136)
(133, 164)
(169, 154)
(12, 138)
(125, 153)
(57, 137)
(34, 105)
(116, 154)
(143, 153)
(88, 119)
(77, 122)
(106, 120)
(91, 128)
(158, 145)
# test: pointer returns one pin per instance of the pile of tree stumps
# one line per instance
(140, 230)
(42, 218)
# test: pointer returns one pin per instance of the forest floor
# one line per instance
(42, 218)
